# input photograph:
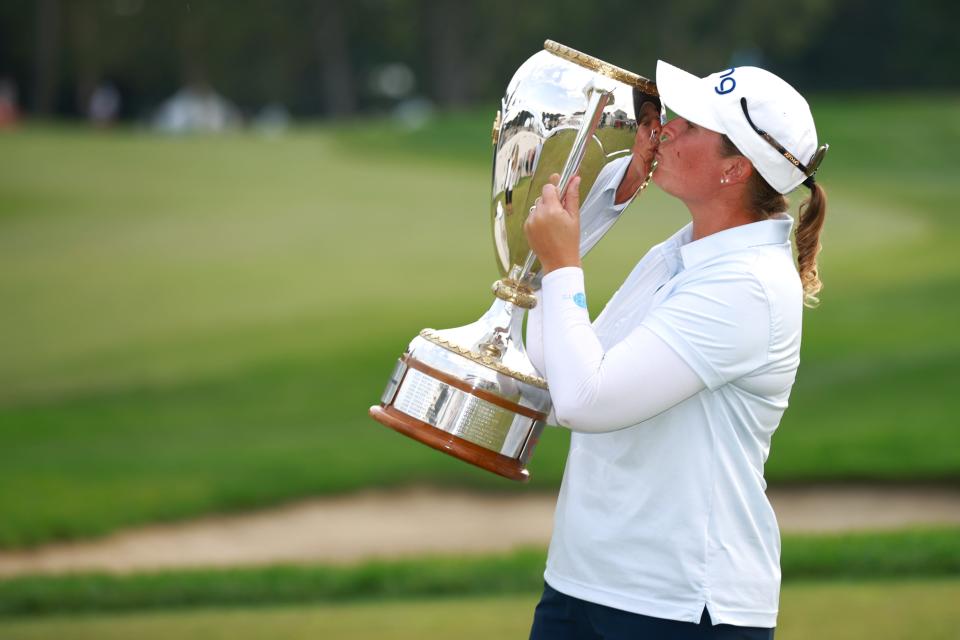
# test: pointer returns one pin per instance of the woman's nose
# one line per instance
(668, 130)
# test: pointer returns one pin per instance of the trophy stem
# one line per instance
(512, 290)
(507, 331)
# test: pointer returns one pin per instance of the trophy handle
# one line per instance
(516, 287)
(598, 97)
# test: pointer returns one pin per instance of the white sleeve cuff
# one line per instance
(565, 280)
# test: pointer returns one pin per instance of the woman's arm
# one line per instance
(594, 390)
(599, 212)
(534, 337)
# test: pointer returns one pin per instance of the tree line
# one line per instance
(318, 57)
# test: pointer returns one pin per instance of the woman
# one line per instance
(663, 528)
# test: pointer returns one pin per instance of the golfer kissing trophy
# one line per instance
(472, 392)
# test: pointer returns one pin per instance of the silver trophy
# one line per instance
(471, 391)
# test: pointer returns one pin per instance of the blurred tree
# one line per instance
(85, 26)
(337, 76)
(46, 72)
(447, 22)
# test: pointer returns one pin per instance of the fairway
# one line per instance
(853, 611)
(198, 324)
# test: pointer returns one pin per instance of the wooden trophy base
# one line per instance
(450, 444)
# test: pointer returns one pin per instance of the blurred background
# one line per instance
(221, 222)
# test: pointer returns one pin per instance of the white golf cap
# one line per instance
(715, 102)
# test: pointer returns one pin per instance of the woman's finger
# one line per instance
(571, 200)
(549, 195)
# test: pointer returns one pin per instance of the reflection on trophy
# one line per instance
(472, 392)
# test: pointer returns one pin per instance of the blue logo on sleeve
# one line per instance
(580, 300)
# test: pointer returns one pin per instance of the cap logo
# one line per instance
(724, 87)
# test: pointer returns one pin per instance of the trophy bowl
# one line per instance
(471, 391)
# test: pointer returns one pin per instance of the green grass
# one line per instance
(849, 610)
(899, 555)
(198, 324)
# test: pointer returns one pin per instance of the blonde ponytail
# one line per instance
(807, 235)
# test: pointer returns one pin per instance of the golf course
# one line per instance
(195, 326)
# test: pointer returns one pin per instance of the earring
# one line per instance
(723, 181)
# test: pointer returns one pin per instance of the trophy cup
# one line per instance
(471, 391)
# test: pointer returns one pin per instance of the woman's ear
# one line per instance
(736, 170)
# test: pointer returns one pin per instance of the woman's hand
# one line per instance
(553, 226)
(645, 145)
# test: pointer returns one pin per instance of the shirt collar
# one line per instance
(612, 174)
(671, 248)
(775, 230)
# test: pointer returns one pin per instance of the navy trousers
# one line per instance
(562, 617)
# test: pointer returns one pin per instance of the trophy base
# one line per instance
(450, 444)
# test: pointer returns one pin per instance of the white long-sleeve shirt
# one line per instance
(673, 396)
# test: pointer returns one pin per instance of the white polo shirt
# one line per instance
(668, 514)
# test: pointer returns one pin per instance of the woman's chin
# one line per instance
(661, 181)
